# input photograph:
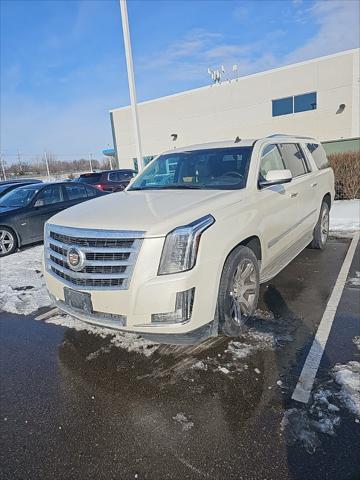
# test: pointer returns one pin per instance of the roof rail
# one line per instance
(287, 135)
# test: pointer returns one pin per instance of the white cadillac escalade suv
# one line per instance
(180, 254)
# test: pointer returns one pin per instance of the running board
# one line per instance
(280, 262)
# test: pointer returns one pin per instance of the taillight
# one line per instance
(100, 186)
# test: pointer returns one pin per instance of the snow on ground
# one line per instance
(22, 287)
(348, 377)
(322, 415)
(127, 341)
(345, 216)
(23, 291)
(303, 425)
(355, 281)
(185, 423)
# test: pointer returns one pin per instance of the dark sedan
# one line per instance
(8, 185)
(108, 180)
(24, 211)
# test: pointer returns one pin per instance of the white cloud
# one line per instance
(338, 29)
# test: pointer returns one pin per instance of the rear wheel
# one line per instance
(321, 230)
(238, 291)
(8, 242)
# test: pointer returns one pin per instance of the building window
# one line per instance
(294, 104)
(305, 102)
(282, 106)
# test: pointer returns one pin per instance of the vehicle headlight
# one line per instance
(181, 246)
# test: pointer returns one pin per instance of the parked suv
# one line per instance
(109, 180)
(180, 255)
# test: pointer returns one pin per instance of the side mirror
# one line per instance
(39, 203)
(275, 177)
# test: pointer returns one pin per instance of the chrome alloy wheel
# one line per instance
(324, 227)
(243, 291)
(6, 242)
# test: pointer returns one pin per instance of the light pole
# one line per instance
(47, 164)
(3, 167)
(131, 80)
(90, 161)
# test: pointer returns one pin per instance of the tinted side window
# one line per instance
(318, 153)
(75, 191)
(293, 158)
(91, 192)
(270, 160)
(113, 177)
(282, 106)
(50, 195)
(305, 102)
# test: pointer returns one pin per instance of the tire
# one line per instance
(8, 241)
(321, 230)
(235, 307)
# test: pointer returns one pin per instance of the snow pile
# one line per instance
(22, 286)
(240, 350)
(345, 216)
(185, 423)
(200, 365)
(305, 425)
(126, 341)
(348, 377)
(355, 281)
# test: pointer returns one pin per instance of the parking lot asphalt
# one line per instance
(74, 405)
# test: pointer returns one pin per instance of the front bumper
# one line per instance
(131, 309)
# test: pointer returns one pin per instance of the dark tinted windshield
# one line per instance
(90, 178)
(20, 197)
(217, 168)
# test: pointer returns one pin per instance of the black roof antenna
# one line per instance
(237, 140)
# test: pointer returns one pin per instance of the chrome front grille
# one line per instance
(109, 256)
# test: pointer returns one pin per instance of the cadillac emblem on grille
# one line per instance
(75, 258)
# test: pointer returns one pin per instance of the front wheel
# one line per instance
(321, 230)
(238, 291)
(8, 242)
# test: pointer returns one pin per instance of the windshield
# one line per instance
(217, 168)
(20, 197)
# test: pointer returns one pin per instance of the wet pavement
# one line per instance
(75, 406)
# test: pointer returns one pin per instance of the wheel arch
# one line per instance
(327, 199)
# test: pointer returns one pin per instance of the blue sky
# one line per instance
(63, 63)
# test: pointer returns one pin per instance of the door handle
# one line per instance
(293, 195)
(314, 184)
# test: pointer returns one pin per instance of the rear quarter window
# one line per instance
(92, 178)
(318, 153)
(294, 159)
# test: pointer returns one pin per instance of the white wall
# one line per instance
(243, 108)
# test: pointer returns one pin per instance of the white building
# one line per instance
(319, 97)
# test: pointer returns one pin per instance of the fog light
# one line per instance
(183, 309)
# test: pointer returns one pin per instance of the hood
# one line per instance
(154, 211)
